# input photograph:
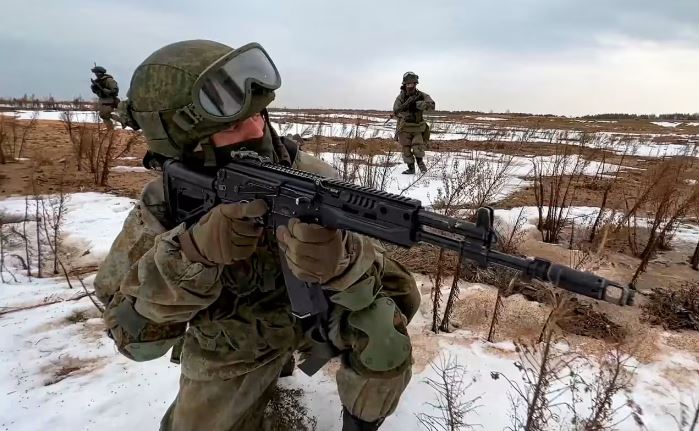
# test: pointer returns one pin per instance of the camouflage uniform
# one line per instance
(107, 89)
(236, 320)
(412, 130)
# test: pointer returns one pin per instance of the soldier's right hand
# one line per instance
(227, 233)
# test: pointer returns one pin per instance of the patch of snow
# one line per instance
(665, 123)
(78, 116)
(129, 169)
(92, 221)
(490, 119)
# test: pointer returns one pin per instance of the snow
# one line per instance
(92, 221)
(424, 187)
(62, 374)
(78, 116)
(665, 123)
(490, 119)
(129, 169)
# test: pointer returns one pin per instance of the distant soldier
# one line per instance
(106, 88)
(413, 132)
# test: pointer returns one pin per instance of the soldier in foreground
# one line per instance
(107, 90)
(218, 284)
(412, 129)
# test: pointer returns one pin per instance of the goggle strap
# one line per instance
(186, 117)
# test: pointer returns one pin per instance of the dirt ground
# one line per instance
(48, 158)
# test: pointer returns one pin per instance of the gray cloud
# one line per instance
(531, 55)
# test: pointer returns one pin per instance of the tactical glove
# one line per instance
(314, 253)
(227, 233)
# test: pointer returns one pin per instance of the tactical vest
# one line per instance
(414, 114)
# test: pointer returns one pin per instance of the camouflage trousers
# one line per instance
(230, 367)
(105, 113)
(413, 146)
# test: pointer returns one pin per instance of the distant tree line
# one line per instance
(31, 102)
(672, 117)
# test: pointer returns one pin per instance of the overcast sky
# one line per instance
(543, 56)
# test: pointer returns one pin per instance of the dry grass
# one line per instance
(674, 310)
(584, 320)
(69, 366)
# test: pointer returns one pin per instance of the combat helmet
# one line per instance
(98, 70)
(410, 77)
(186, 91)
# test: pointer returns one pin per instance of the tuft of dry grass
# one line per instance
(673, 310)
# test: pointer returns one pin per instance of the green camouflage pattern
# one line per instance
(241, 330)
(162, 84)
(410, 118)
(412, 146)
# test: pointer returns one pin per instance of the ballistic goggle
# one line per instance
(224, 92)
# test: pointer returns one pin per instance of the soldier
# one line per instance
(217, 285)
(412, 130)
(106, 88)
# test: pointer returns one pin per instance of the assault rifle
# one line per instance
(336, 204)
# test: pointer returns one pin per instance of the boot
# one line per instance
(421, 165)
(351, 423)
(410, 170)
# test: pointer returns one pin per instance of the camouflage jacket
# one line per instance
(106, 88)
(406, 109)
(239, 311)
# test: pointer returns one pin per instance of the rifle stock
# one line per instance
(336, 204)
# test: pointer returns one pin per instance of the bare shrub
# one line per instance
(53, 219)
(688, 419)
(96, 147)
(534, 400)
(602, 178)
(669, 201)
(554, 180)
(25, 238)
(491, 176)
(14, 134)
(511, 235)
(3, 136)
(453, 406)
(445, 325)
(456, 184)
(613, 378)
(3, 241)
(39, 251)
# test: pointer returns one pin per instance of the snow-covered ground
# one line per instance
(514, 170)
(60, 371)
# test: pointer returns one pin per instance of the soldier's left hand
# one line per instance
(314, 253)
(421, 105)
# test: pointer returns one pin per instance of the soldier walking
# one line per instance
(413, 132)
(106, 88)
